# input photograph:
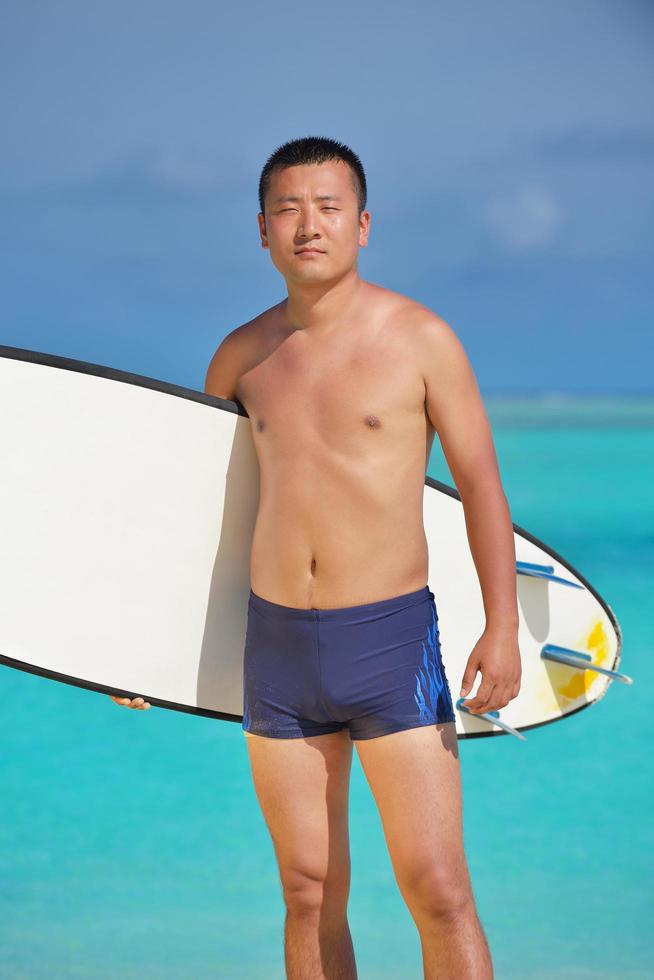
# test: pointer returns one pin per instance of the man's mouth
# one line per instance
(304, 251)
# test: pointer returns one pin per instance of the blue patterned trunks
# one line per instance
(374, 668)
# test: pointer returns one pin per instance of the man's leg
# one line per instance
(414, 776)
(302, 785)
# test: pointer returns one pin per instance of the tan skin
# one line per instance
(346, 384)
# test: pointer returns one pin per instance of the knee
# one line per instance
(308, 895)
(303, 895)
(434, 893)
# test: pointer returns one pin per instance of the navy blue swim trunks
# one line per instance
(374, 668)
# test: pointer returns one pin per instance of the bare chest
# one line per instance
(343, 394)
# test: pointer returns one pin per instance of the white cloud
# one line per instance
(529, 218)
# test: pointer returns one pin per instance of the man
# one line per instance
(345, 384)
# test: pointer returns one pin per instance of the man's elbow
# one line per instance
(480, 477)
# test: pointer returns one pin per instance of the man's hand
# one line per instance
(497, 655)
(138, 703)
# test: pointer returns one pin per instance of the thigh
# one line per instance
(414, 776)
(302, 785)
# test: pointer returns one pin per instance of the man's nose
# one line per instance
(307, 225)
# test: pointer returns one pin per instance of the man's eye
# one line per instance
(330, 209)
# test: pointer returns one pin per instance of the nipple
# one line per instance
(372, 421)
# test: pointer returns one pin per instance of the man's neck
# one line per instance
(319, 307)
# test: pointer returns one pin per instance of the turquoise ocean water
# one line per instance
(132, 845)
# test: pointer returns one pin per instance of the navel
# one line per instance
(372, 421)
(260, 425)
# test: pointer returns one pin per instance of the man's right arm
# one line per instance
(226, 366)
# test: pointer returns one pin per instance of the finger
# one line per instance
(479, 704)
(482, 694)
(496, 703)
(499, 699)
(468, 679)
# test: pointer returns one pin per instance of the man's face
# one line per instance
(313, 206)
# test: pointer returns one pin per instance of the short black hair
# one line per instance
(313, 149)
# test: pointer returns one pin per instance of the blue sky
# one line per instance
(509, 149)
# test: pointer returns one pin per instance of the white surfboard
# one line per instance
(127, 507)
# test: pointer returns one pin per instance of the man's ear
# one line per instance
(262, 230)
(364, 228)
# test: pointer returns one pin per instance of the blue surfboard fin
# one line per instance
(543, 571)
(580, 660)
(491, 716)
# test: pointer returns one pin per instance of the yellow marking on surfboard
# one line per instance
(562, 685)
(579, 682)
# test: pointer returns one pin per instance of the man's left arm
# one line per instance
(455, 409)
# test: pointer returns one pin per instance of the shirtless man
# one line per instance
(345, 384)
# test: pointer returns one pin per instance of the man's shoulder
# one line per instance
(236, 353)
(254, 330)
(248, 341)
(412, 318)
